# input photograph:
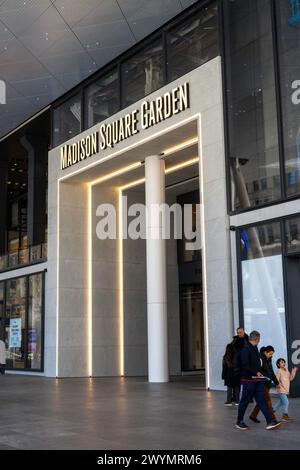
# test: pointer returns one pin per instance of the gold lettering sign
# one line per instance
(110, 134)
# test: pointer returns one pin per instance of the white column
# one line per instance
(156, 272)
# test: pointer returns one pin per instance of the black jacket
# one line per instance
(230, 379)
(250, 361)
(267, 370)
(238, 342)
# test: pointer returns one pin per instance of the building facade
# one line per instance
(204, 112)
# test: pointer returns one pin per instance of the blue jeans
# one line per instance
(256, 390)
(283, 400)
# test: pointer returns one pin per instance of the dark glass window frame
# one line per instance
(147, 43)
(284, 253)
(283, 171)
(27, 276)
(160, 32)
(60, 102)
(103, 73)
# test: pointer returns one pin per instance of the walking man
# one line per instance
(253, 385)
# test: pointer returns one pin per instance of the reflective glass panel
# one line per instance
(251, 106)
(292, 234)
(15, 322)
(102, 99)
(288, 21)
(67, 120)
(263, 289)
(143, 73)
(193, 42)
(34, 334)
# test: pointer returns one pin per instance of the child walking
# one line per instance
(284, 378)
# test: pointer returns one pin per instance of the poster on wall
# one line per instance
(32, 338)
(15, 333)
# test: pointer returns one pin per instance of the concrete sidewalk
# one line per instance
(114, 413)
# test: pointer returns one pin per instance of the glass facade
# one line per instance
(143, 73)
(288, 26)
(2, 309)
(21, 321)
(175, 50)
(263, 285)
(292, 235)
(251, 102)
(193, 42)
(67, 120)
(192, 328)
(34, 334)
(15, 322)
(23, 194)
(102, 98)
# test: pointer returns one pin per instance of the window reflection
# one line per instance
(252, 116)
(21, 321)
(102, 99)
(289, 59)
(67, 120)
(263, 291)
(292, 234)
(143, 73)
(34, 335)
(1, 310)
(15, 322)
(193, 42)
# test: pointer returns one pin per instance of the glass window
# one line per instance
(193, 42)
(185, 255)
(15, 322)
(292, 234)
(102, 99)
(263, 292)
(143, 73)
(252, 116)
(34, 335)
(192, 327)
(67, 120)
(288, 20)
(22, 322)
(1, 310)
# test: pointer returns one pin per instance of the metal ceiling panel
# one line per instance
(18, 15)
(49, 46)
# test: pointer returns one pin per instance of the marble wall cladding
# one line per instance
(105, 309)
(206, 105)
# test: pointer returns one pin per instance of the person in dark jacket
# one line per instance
(238, 342)
(267, 371)
(240, 339)
(231, 381)
(252, 383)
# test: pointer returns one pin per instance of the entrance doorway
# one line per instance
(192, 328)
(191, 295)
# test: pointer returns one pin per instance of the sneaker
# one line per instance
(228, 403)
(236, 403)
(255, 420)
(273, 424)
(241, 425)
(286, 417)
